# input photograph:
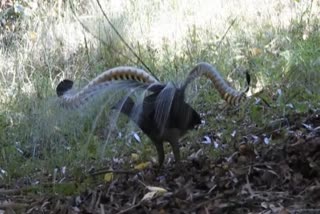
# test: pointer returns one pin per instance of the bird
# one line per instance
(181, 118)
(163, 114)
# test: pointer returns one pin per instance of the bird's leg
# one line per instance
(160, 151)
(175, 149)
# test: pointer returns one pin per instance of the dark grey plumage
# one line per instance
(167, 122)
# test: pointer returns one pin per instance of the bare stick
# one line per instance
(123, 40)
(95, 36)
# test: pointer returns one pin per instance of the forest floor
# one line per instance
(256, 177)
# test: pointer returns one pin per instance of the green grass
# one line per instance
(275, 42)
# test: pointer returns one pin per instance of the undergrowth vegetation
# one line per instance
(42, 43)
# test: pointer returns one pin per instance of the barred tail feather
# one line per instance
(230, 95)
(123, 73)
(130, 77)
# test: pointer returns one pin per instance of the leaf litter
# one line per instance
(272, 171)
